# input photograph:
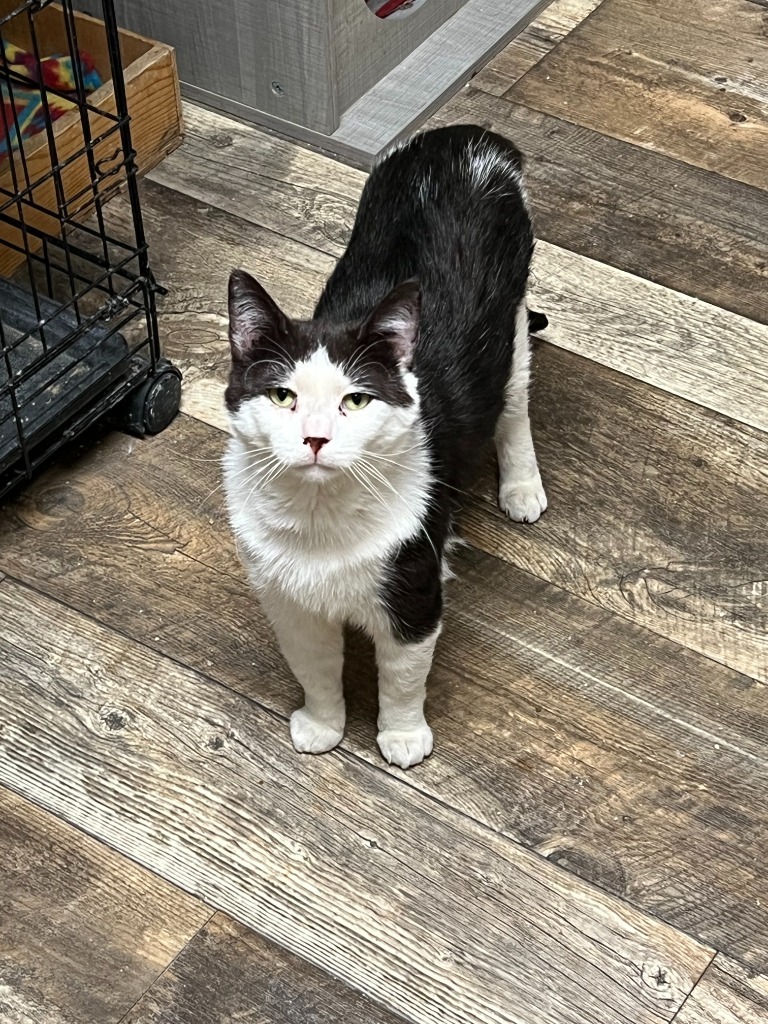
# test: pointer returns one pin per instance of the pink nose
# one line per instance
(315, 443)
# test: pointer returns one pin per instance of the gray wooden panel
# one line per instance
(366, 48)
(238, 48)
(407, 96)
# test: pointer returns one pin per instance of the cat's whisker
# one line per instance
(372, 469)
(240, 472)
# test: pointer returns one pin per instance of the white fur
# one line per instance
(521, 492)
(404, 737)
(316, 540)
(490, 169)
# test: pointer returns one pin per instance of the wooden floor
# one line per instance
(588, 843)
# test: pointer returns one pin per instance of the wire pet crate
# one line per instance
(78, 324)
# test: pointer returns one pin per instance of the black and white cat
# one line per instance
(355, 433)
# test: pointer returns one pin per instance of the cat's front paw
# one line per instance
(523, 501)
(405, 747)
(311, 736)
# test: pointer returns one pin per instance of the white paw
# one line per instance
(311, 736)
(405, 747)
(523, 501)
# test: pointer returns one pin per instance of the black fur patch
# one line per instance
(266, 345)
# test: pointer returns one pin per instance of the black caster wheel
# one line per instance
(154, 404)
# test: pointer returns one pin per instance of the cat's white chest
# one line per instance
(329, 556)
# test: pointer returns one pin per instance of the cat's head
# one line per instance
(322, 396)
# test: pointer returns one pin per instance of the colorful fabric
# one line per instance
(23, 105)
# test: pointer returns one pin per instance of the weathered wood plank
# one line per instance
(688, 78)
(558, 723)
(527, 49)
(727, 994)
(680, 226)
(674, 342)
(270, 182)
(83, 931)
(326, 856)
(228, 973)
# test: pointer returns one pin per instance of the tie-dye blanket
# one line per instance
(23, 110)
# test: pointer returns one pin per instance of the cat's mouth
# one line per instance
(320, 468)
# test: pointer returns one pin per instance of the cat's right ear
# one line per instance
(254, 317)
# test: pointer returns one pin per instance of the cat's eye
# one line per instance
(282, 397)
(355, 401)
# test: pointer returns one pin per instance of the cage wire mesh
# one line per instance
(78, 324)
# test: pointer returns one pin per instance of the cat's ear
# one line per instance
(254, 317)
(396, 319)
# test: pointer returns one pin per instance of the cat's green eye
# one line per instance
(282, 397)
(355, 401)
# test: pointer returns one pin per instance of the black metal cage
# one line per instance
(78, 324)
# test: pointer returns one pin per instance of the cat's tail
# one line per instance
(537, 322)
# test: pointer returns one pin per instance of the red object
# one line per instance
(390, 7)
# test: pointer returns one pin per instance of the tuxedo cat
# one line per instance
(356, 433)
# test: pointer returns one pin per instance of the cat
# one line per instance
(357, 433)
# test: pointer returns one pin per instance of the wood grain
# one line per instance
(83, 931)
(537, 39)
(635, 763)
(327, 856)
(265, 180)
(688, 229)
(688, 78)
(727, 994)
(228, 973)
(669, 340)
(657, 510)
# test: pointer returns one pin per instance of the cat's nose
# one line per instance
(316, 443)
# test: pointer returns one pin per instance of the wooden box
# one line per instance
(327, 72)
(154, 104)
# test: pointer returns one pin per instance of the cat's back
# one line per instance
(459, 178)
(448, 207)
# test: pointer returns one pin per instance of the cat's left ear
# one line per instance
(396, 319)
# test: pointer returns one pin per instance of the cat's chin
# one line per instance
(317, 471)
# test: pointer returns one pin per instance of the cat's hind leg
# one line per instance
(521, 492)
(314, 650)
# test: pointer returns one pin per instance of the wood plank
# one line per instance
(228, 973)
(674, 224)
(558, 724)
(307, 851)
(267, 181)
(688, 78)
(727, 994)
(518, 57)
(669, 340)
(83, 931)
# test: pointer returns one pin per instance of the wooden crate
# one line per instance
(327, 72)
(152, 89)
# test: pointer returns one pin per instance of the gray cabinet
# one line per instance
(326, 71)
